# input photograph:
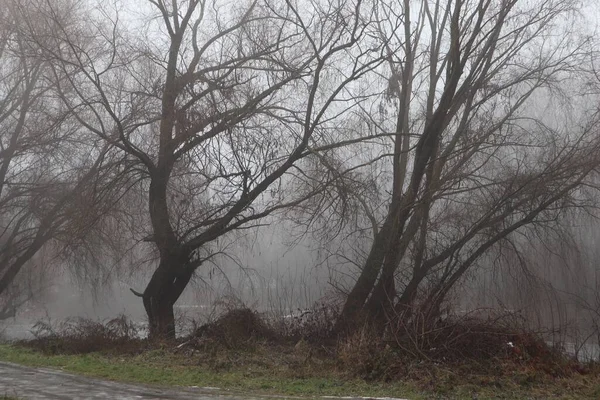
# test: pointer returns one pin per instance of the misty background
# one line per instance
(390, 160)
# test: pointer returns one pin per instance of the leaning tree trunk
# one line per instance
(165, 287)
(351, 312)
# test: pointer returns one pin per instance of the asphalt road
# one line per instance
(40, 383)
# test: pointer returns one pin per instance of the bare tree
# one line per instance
(50, 170)
(216, 106)
(472, 162)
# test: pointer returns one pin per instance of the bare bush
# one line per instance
(82, 335)
(497, 338)
(315, 324)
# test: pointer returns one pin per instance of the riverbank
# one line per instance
(242, 352)
(289, 371)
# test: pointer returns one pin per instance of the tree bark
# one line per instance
(367, 279)
(164, 289)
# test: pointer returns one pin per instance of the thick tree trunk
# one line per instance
(368, 278)
(380, 305)
(161, 318)
(164, 289)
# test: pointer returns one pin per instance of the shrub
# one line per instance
(235, 329)
(315, 325)
(82, 335)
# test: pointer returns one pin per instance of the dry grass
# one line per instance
(480, 343)
(81, 336)
(237, 328)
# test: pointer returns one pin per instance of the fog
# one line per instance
(172, 161)
(269, 270)
(275, 271)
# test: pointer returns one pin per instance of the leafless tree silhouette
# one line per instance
(52, 173)
(472, 162)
